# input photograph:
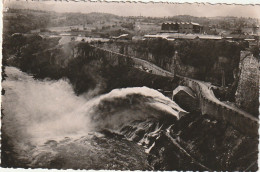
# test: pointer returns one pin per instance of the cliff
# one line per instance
(247, 94)
(90, 69)
(212, 61)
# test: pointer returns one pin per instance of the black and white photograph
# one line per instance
(129, 86)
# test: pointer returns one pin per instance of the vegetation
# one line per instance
(130, 26)
(22, 21)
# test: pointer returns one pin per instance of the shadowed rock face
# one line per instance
(87, 69)
(198, 59)
(247, 93)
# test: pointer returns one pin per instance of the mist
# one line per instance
(36, 111)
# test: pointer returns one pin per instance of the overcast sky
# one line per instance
(144, 9)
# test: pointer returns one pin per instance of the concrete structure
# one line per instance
(185, 98)
(182, 27)
(155, 36)
(181, 36)
(208, 103)
(170, 26)
(122, 37)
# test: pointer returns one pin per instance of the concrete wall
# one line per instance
(209, 105)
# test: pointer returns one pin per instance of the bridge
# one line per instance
(209, 104)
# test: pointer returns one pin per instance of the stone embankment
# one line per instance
(209, 104)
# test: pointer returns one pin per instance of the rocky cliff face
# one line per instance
(88, 69)
(247, 94)
(184, 70)
(171, 59)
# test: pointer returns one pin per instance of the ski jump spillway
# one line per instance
(208, 103)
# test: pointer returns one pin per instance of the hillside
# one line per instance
(24, 20)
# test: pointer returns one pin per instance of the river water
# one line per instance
(45, 125)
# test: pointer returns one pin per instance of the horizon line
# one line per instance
(59, 12)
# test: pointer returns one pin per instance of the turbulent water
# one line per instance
(46, 125)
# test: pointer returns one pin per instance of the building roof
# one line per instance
(173, 36)
(156, 36)
(195, 23)
(210, 37)
(182, 36)
(249, 39)
(120, 36)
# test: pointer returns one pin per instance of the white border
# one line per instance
(242, 2)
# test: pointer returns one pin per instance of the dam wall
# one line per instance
(209, 104)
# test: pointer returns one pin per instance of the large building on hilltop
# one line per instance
(182, 27)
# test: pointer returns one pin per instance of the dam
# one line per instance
(208, 103)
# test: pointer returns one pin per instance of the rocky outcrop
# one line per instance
(218, 70)
(89, 68)
(247, 93)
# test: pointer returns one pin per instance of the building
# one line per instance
(182, 27)
(170, 27)
(182, 36)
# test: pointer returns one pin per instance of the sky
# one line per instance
(144, 9)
